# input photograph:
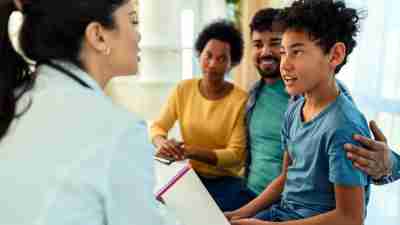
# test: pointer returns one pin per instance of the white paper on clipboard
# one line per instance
(185, 195)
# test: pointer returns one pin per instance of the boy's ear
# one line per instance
(337, 54)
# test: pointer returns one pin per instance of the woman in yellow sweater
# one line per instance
(210, 112)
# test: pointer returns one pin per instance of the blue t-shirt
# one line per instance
(318, 158)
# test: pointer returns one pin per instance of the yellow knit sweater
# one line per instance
(217, 125)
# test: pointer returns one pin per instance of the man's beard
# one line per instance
(269, 73)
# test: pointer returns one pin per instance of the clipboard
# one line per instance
(185, 196)
(171, 183)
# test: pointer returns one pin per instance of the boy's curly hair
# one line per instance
(326, 21)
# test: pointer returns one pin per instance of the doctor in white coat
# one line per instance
(67, 154)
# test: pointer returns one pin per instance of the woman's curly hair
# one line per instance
(225, 31)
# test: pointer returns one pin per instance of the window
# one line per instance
(187, 37)
(373, 77)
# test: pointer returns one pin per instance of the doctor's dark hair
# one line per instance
(225, 31)
(51, 30)
(326, 22)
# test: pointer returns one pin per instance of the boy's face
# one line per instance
(304, 66)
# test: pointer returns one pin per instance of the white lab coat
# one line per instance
(75, 158)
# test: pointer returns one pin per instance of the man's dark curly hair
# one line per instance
(326, 21)
(222, 30)
(265, 20)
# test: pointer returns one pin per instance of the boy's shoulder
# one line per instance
(345, 117)
(345, 111)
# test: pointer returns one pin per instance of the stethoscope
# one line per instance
(66, 72)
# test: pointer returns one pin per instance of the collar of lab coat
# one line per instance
(81, 74)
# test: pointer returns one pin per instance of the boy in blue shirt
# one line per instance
(318, 184)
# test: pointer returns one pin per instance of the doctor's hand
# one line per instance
(168, 148)
(373, 157)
